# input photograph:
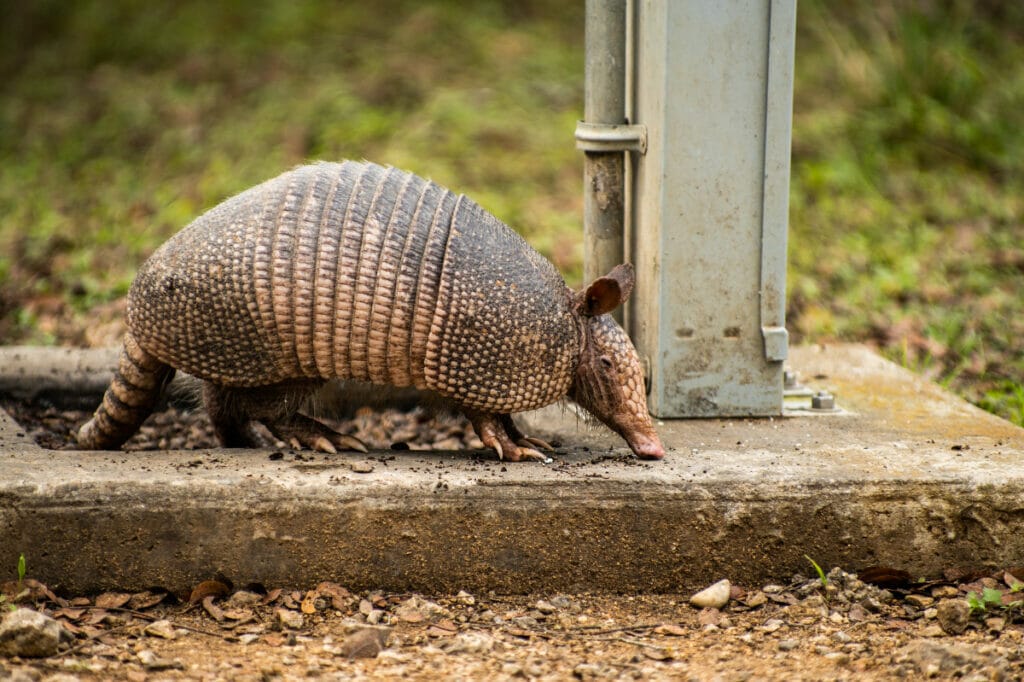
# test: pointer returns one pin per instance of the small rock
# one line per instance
(361, 467)
(465, 598)
(933, 631)
(813, 607)
(871, 604)
(772, 625)
(471, 642)
(161, 628)
(756, 599)
(934, 658)
(945, 592)
(248, 638)
(587, 671)
(417, 609)
(565, 604)
(526, 622)
(512, 669)
(365, 642)
(30, 634)
(788, 644)
(716, 596)
(710, 616)
(995, 625)
(773, 589)
(545, 607)
(150, 661)
(930, 613)
(919, 601)
(838, 657)
(953, 615)
(375, 616)
(857, 614)
(841, 637)
(290, 619)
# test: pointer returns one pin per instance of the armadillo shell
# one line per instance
(361, 272)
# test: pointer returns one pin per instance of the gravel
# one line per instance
(327, 632)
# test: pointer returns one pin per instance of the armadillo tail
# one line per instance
(134, 390)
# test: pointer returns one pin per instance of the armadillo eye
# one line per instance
(606, 361)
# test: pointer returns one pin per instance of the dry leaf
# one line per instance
(442, 628)
(670, 629)
(309, 602)
(339, 596)
(274, 639)
(70, 613)
(208, 588)
(272, 596)
(144, 600)
(112, 600)
(886, 577)
(239, 614)
(215, 611)
(96, 616)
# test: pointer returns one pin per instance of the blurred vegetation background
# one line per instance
(120, 121)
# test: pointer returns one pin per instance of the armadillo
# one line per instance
(362, 273)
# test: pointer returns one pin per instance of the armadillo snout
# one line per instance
(646, 446)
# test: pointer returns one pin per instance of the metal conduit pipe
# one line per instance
(604, 137)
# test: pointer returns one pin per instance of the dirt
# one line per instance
(839, 628)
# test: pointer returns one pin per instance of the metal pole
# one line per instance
(604, 104)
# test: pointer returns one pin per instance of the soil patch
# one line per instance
(840, 628)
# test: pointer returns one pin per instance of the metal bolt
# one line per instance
(823, 400)
(788, 379)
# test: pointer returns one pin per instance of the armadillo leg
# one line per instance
(492, 431)
(233, 410)
(138, 381)
(520, 438)
(231, 425)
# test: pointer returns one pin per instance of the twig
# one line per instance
(588, 629)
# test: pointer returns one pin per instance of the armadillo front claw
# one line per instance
(530, 453)
(350, 443)
(527, 441)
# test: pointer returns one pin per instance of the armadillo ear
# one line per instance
(607, 293)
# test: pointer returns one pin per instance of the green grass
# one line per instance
(906, 220)
(120, 122)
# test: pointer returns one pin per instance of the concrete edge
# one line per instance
(881, 485)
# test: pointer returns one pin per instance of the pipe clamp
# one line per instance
(611, 137)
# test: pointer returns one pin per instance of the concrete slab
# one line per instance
(904, 474)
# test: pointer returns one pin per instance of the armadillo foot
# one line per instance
(520, 438)
(493, 431)
(301, 431)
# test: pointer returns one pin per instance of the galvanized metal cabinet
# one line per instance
(712, 83)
